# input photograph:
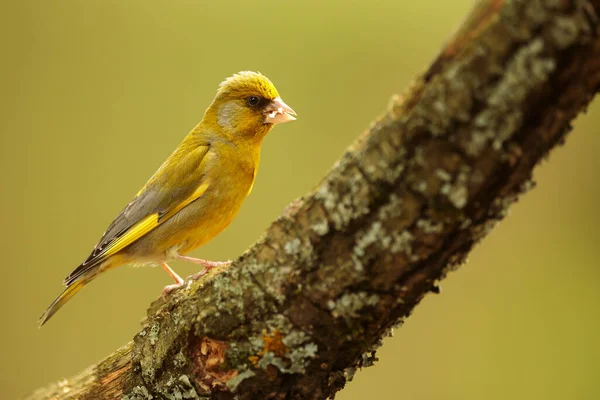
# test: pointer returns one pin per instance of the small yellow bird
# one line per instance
(197, 191)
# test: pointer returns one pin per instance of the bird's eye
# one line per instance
(253, 101)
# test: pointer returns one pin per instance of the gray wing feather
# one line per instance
(154, 199)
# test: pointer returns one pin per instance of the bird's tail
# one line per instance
(65, 296)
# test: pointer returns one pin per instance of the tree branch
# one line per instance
(307, 305)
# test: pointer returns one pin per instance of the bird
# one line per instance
(196, 193)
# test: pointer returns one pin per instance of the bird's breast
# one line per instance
(208, 216)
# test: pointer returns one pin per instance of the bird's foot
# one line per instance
(169, 288)
(198, 275)
(178, 281)
(208, 265)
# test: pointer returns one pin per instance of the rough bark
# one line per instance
(307, 305)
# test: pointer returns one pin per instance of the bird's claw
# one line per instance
(198, 275)
(169, 288)
(214, 264)
(208, 265)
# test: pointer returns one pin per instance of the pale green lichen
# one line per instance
(344, 205)
(269, 358)
(295, 338)
(294, 351)
(457, 193)
(528, 69)
(279, 323)
(294, 362)
(302, 251)
(300, 357)
(392, 174)
(177, 317)
(375, 234)
(429, 226)
(321, 227)
(349, 304)
(358, 264)
(259, 274)
(335, 276)
(154, 331)
(349, 373)
(179, 389)
(381, 162)
(450, 100)
(394, 208)
(138, 393)
(257, 342)
(292, 246)
(180, 360)
(443, 175)
(234, 382)
(421, 187)
(402, 243)
(478, 142)
(531, 10)
(233, 286)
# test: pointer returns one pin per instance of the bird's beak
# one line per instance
(278, 112)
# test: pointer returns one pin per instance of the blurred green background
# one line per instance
(95, 94)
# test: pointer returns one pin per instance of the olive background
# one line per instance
(94, 95)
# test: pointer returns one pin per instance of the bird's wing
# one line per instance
(177, 183)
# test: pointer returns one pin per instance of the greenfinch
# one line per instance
(196, 192)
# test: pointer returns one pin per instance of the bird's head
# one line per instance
(248, 105)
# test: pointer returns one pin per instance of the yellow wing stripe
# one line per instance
(147, 224)
(132, 234)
